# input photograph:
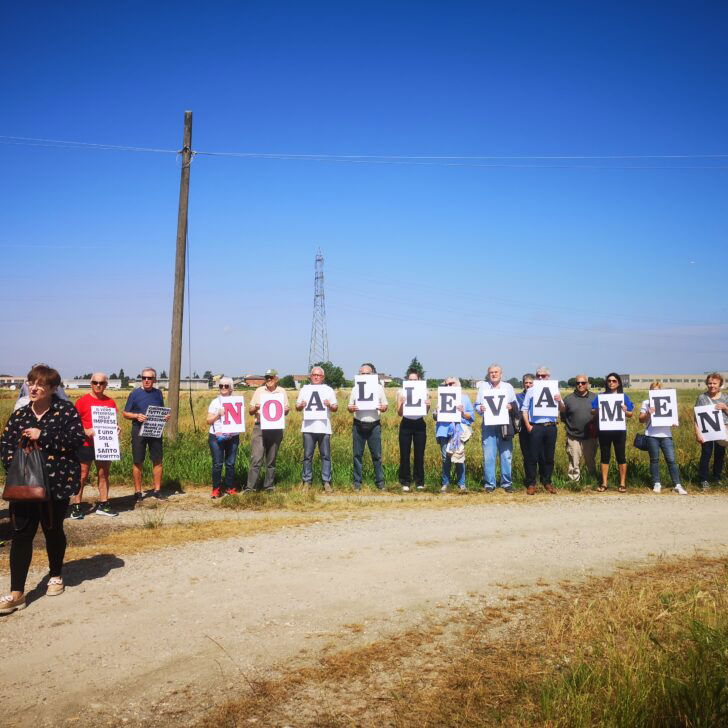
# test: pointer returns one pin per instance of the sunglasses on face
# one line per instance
(99, 384)
(148, 379)
(224, 386)
(580, 383)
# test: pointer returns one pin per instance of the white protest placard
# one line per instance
(495, 406)
(610, 413)
(366, 391)
(153, 426)
(106, 433)
(544, 398)
(664, 402)
(415, 398)
(710, 423)
(313, 395)
(272, 411)
(233, 416)
(448, 401)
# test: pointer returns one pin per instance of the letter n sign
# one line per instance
(233, 415)
(710, 423)
(272, 409)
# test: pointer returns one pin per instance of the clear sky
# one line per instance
(597, 243)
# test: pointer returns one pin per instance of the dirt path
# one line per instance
(164, 635)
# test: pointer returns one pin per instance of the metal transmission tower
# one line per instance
(319, 348)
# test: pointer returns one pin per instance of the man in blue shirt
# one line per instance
(135, 410)
(542, 432)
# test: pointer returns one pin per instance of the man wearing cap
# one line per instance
(368, 429)
(317, 430)
(264, 444)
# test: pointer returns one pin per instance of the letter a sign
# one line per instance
(233, 416)
(272, 409)
(710, 423)
(544, 404)
(313, 396)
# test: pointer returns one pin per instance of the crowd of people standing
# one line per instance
(64, 434)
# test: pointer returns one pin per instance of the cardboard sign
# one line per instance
(495, 406)
(272, 411)
(233, 417)
(106, 433)
(313, 395)
(448, 401)
(544, 398)
(665, 403)
(710, 423)
(366, 391)
(415, 398)
(610, 413)
(153, 426)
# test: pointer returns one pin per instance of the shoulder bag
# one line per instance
(27, 479)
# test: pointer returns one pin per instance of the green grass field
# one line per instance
(187, 461)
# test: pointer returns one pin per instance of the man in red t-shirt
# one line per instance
(97, 398)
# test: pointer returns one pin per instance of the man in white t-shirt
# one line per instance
(316, 396)
(367, 429)
(496, 442)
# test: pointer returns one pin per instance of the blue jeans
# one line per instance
(223, 451)
(494, 443)
(363, 433)
(654, 444)
(309, 446)
(447, 463)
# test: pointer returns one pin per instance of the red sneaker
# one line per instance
(216, 493)
(230, 491)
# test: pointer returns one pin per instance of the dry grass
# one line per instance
(630, 633)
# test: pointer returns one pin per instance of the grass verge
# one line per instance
(644, 647)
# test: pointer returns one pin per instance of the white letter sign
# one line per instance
(610, 412)
(415, 398)
(544, 402)
(153, 426)
(710, 423)
(448, 401)
(495, 406)
(366, 391)
(233, 415)
(106, 433)
(272, 411)
(665, 403)
(313, 396)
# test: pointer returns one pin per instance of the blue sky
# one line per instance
(583, 264)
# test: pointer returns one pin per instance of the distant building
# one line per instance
(669, 381)
(8, 381)
(185, 384)
(86, 384)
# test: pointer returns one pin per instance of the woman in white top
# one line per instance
(659, 437)
(223, 446)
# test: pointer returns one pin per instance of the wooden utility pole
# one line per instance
(175, 357)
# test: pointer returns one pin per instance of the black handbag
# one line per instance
(27, 479)
(640, 441)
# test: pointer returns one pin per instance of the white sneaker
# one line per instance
(657, 488)
(443, 489)
(680, 490)
(405, 488)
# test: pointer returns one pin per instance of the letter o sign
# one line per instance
(272, 410)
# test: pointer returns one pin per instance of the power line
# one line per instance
(476, 161)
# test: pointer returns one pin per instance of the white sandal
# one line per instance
(55, 586)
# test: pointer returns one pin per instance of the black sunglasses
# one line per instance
(149, 379)
(98, 384)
